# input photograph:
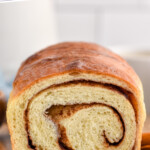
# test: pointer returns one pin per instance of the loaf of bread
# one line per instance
(76, 96)
(2, 108)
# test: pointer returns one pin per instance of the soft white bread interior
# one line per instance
(92, 117)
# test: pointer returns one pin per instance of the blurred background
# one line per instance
(27, 26)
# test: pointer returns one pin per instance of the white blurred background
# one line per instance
(108, 22)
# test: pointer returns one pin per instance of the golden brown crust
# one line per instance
(73, 57)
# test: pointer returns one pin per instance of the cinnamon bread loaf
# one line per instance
(76, 96)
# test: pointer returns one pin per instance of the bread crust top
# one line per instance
(73, 57)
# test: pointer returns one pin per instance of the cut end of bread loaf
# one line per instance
(76, 96)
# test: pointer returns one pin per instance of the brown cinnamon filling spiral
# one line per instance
(58, 112)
